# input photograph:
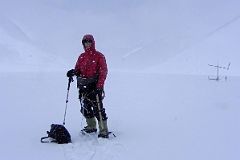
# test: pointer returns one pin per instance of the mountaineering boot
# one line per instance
(91, 125)
(103, 129)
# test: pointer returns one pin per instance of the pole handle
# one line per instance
(70, 79)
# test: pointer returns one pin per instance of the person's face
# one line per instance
(87, 43)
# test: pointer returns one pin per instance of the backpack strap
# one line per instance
(47, 140)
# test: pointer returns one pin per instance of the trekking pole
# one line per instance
(70, 79)
(100, 115)
(99, 111)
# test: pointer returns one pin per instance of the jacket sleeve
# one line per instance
(77, 66)
(102, 72)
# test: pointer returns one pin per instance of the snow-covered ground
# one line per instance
(153, 116)
(159, 100)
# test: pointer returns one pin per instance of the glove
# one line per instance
(99, 92)
(71, 73)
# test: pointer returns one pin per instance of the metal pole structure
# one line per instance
(218, 70)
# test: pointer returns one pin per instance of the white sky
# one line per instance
(162, 29)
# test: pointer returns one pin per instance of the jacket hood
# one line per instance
(89, 37)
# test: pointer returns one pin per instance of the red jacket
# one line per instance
(92, 63)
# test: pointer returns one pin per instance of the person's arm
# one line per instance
(102, 71)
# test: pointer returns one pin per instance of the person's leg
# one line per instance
(87, 111)
(101, 116)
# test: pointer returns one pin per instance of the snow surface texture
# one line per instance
(154, 116)
(159, 100)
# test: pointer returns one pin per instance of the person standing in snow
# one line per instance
(91, 71)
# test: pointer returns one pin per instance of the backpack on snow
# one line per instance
(58, 134)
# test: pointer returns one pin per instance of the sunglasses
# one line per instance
(86, 41)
